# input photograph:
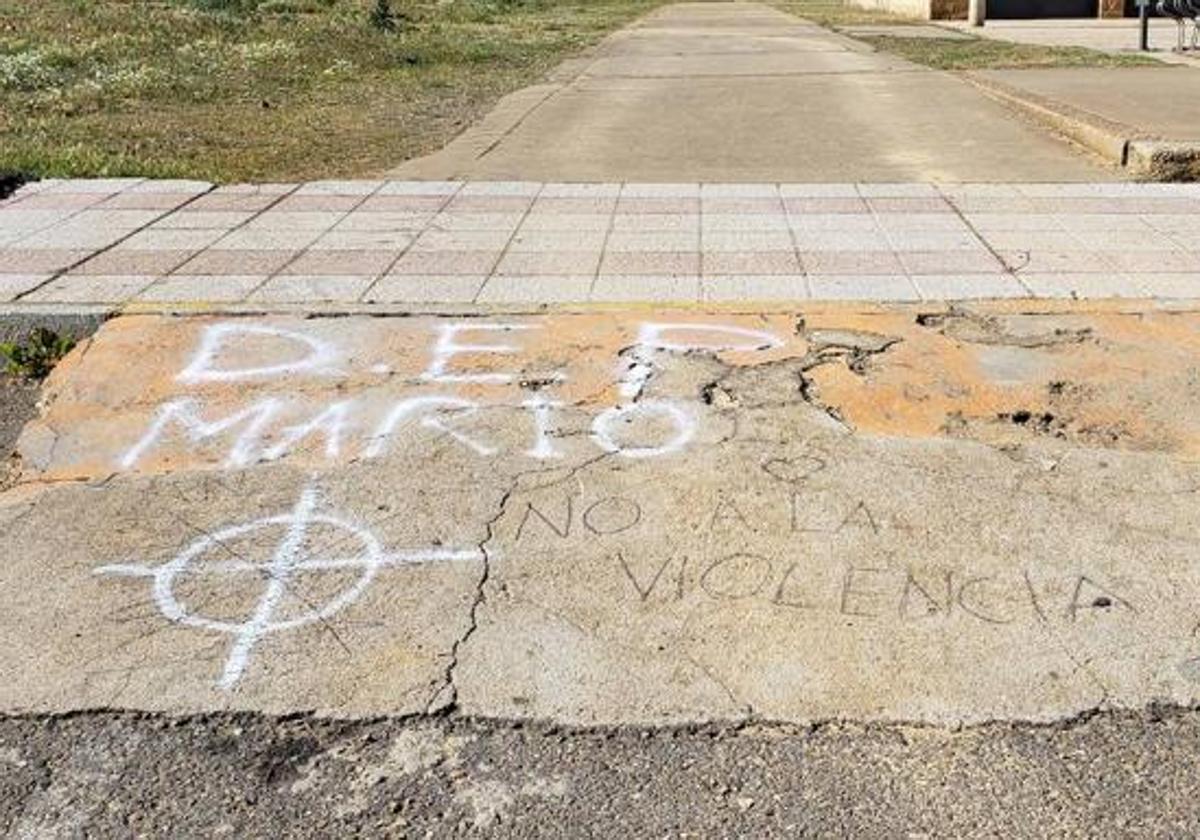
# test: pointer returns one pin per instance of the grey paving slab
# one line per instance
(866, 241)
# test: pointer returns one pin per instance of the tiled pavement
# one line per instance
(113, 242)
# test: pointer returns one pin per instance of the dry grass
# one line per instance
(266, 89)
(955, 52)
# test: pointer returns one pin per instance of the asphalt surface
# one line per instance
(113, 775)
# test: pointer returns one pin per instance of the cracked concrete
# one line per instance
(895, 515)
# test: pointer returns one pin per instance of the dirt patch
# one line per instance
(18, 404)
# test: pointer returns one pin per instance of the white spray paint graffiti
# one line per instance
(215, 362)
(653, 337)
(320, 359)
(291, 558)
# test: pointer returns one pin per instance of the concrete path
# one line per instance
(742, 92)
(652, 517)
(163, 245)
(1153, 102)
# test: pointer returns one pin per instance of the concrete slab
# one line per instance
(901, 515)
(1154, 102)
(740, 92)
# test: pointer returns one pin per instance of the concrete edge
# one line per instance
(1144, 156)
(1106, 138)
(1022, 305)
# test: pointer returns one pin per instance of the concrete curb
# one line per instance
(1145, 157)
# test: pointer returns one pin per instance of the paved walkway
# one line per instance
(385, 242)
(742, 92)
(1108, 35)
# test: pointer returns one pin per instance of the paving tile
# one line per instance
(746, 206)
(544, 288)
(661, 240)
(217, 261)
(950, 262)
(562, 190)
(965, 287)
(862, 287)
(557, 240)
(434, 188)
(647, 222)
(450, 220)
(778, 287)
(818, 191)
(341, 263)
(1170, 222)
(402, 220)
(241, 202)
(500, 188)
(295, 222)
(708, 191)
(257, 239)
(40, 261)
(933, 240)
(737, 240)
(403, 204)
(20, 220)
(90, 289)
(1154, 262)
(851, 262)
(490, 203)
(61, 201)
(1102, 222)
(145, 201)
(574, 206)
(419, 288)
(614, 287)
(651, 206)
(170, 240)
(101, 186)
(760, 222)
(14, 285)
(687, 190)
(170, 185)
(909, 205)
(312, 289)
(651, 263)
(1109, 284)
(1169, 285)
(922, 222)
(1126, 240)
(565, 263)
(983, 204)
(987, 223)
(834, 222)
(822, 240)
(566, 221)
(71, 236)
(264, 188)
(1057, 262)
(365, 240)
(188, 219)
(197, 288)
(899, 191)
(343, 188)
(309, 203)
(140, 263)
(446, 262)
(1025, 240)
(462, 240)
(979, 190)
(798, 206)
(751, 263)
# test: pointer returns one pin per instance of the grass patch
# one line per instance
(35, 356)
(230, 90)
(987, 54)
(953, 53)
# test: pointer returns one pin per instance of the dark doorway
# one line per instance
(1016, 9)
